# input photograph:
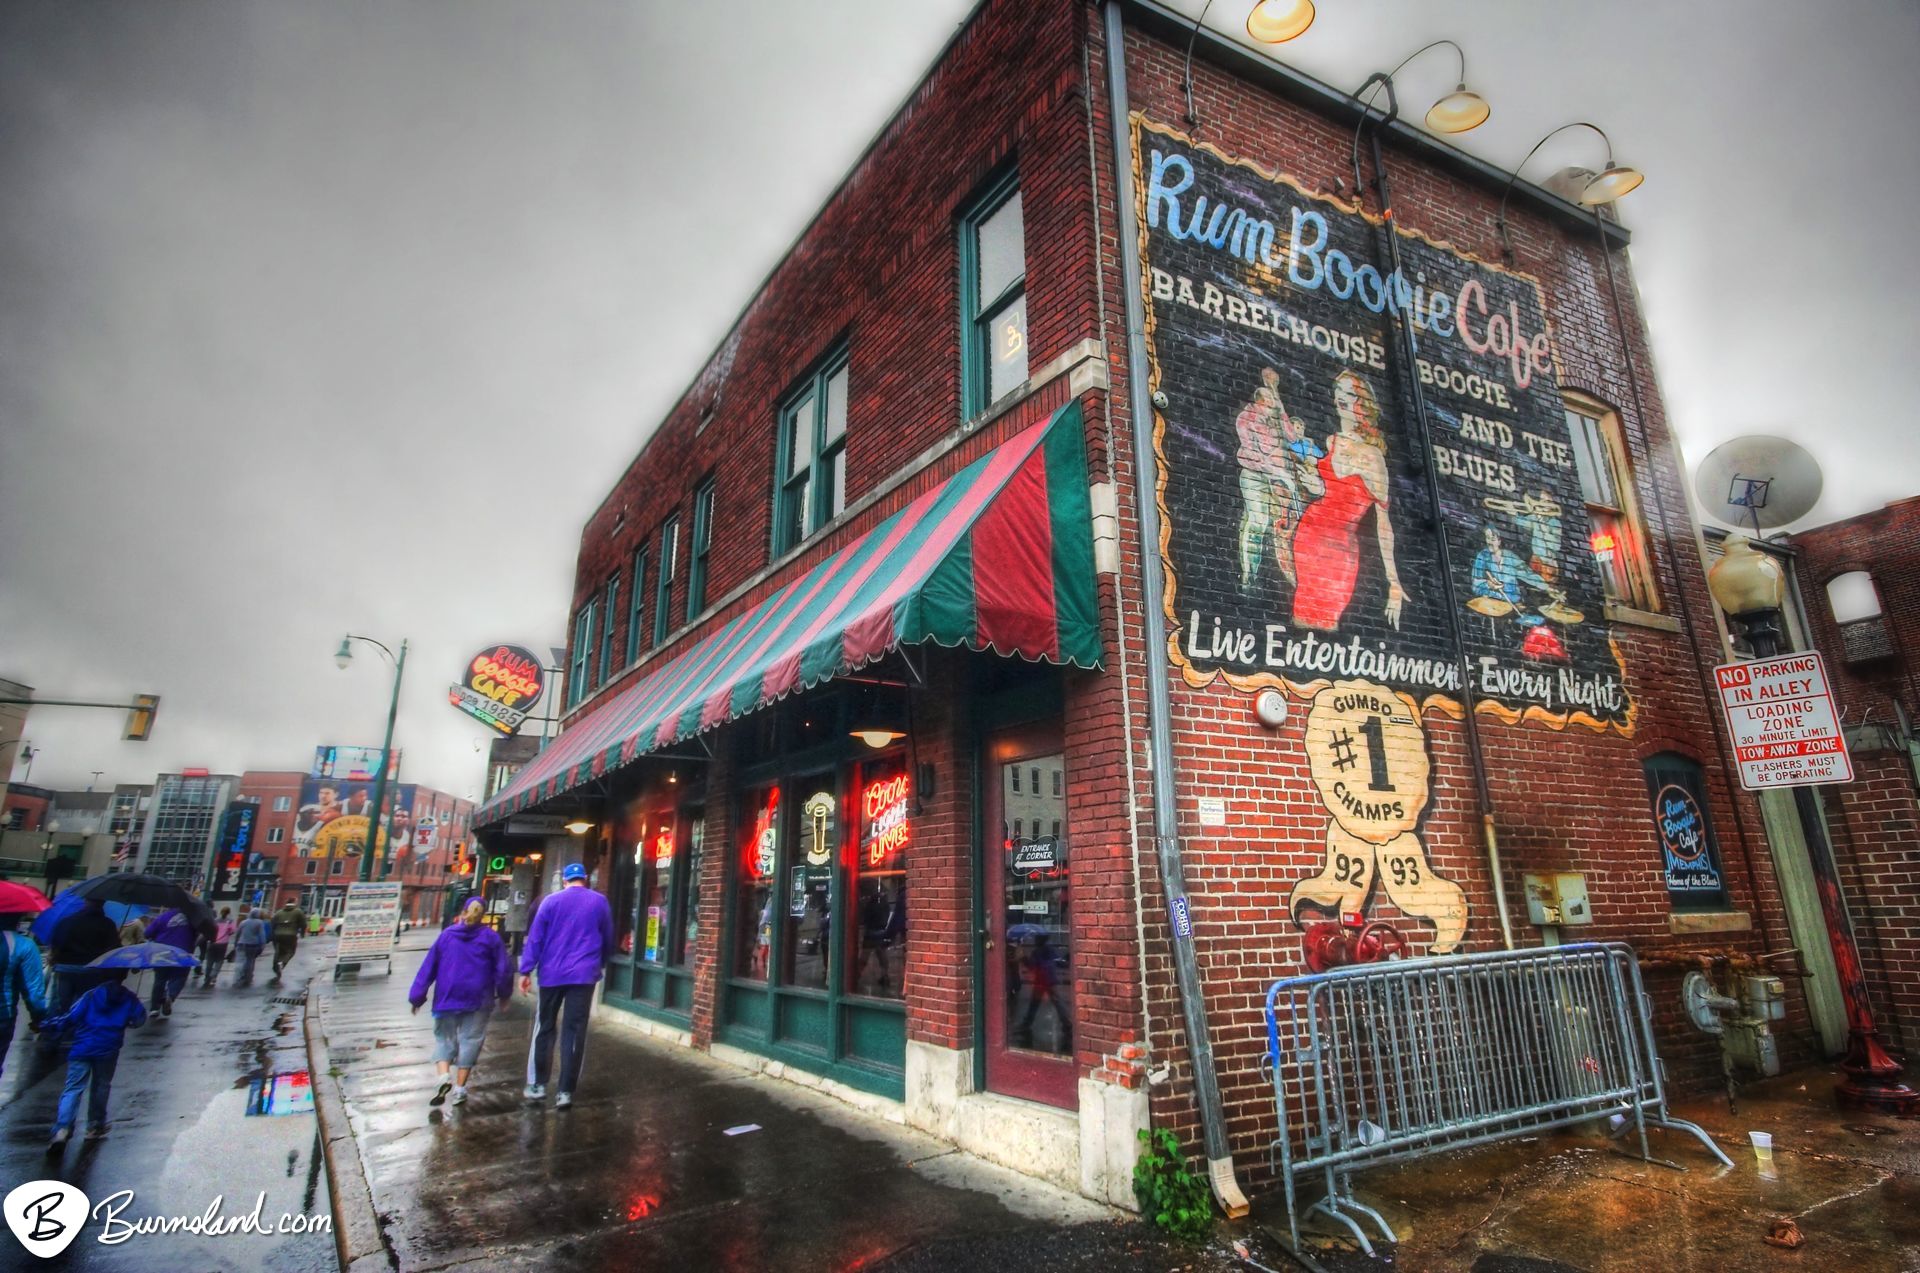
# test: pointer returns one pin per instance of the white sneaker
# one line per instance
(535, 1092)
(563, 1101)
(459, 1096)
(440, 1093)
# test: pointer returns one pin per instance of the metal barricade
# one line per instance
(1392, 1061)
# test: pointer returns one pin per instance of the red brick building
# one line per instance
(1859, 583)
(901, 504)
(305, 871)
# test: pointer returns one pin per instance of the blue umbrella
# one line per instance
(48, 921)
(146, 954)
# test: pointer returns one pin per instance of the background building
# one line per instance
(177, 839)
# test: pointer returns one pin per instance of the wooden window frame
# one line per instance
(1636, 553)
(978, 312)
(663, 579)
(699, 547)
(822, 508)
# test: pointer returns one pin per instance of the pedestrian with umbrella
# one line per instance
(99, 1023)
(87, 933)
(20, 976)
(173, 929)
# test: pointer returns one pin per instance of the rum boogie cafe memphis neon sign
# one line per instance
(1300, 545)
(501, 686)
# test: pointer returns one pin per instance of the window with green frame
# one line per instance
(993, 296)
(663, 581)
(636, 604)
(698, 550)
(612, 607)
(582, 661)
(811, 489)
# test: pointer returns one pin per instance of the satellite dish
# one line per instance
(1757, 483)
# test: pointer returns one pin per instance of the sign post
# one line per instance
(1781, 715)
(367, 926)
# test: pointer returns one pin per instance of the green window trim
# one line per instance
(663, 579)
(580, 666)
(978, 312)
(698, 550)
(806, 496)
(636, 604)
(607, 668)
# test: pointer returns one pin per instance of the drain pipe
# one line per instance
(1166, 839)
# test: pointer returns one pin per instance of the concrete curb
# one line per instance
(356, 1225)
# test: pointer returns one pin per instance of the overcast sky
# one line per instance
(318, 317)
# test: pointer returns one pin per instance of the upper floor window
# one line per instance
(612, 607)
(282, 804)
(812, 455)
(698, 550)
(1855, 603)
(663, 582)
(1606, 484)
(993, 296)
(636, 607)
(276, 835)
(582, 660)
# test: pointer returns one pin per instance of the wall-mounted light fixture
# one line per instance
(1269, 21)
(877, 737)
(579, 826)
(1577, 185)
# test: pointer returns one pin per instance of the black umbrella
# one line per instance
(141, 889)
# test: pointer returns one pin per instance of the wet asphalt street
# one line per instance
(641, 1174)
(180, 1135)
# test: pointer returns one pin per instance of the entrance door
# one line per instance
(1028, 939)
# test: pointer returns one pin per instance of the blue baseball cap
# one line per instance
(574, 871)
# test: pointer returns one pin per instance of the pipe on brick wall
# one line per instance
(1166, 837)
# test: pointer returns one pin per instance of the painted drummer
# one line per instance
(1538, 517)
(1500, 579)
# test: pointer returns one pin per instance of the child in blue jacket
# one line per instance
(99, 1020)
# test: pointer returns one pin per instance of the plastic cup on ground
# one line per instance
(1762, 1145)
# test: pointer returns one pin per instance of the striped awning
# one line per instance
(998, 557)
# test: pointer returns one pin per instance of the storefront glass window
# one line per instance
(759, 857)
(655, 881)
(810, 891)
(880, 869)
(690, 906)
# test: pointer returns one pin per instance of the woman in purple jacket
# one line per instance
(469, 971)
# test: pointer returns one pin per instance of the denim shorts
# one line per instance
(457, 1036)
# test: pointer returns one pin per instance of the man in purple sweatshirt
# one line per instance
(569, 944)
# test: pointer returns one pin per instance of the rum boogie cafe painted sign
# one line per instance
(1299, 538)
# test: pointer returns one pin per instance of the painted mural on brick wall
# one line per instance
(1297, 537)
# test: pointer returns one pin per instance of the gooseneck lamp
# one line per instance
(1749, 588)
(1593, 189)
(1269, 21)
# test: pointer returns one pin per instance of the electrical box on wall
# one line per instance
(1558, 899)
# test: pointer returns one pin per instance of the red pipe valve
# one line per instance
(1353, 940)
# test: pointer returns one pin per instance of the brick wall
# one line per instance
(1567, 799)
(1874, 821)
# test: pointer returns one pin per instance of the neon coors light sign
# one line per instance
(1298, 543)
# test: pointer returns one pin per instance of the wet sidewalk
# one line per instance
(642, 1172)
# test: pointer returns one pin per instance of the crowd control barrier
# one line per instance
(1381, 1063)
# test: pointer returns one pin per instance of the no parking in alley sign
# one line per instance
(1785, 730)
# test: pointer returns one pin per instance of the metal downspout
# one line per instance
(1166, 841)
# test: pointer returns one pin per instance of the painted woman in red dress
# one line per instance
(1326, 544)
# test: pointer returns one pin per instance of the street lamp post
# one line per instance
(343, 657)
(1750, 589)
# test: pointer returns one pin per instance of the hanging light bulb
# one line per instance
(1277, 21)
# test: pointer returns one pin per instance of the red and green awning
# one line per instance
(998, 557)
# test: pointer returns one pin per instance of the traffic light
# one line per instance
(140, 717)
